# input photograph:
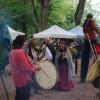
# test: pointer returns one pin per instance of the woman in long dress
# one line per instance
(64, 64)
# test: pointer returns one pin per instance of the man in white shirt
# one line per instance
(50, 51)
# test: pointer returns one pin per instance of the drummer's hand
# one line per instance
(34, 62)
(38, 68)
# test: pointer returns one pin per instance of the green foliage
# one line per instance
(61, 13)
(18, 9)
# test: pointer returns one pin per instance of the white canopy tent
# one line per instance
(14, 33)
(78, 30)
(55, 32)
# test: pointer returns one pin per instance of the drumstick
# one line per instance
(42, 69)
(45, 73)
(92, 47)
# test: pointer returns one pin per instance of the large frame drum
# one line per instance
(46, 78)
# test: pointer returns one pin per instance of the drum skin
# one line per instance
(46, 78)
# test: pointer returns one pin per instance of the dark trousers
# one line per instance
(85, 58)
(34, 85)
(23, 93)
(76, 65)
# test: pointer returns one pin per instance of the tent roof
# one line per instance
(14, 33)
(77, 30)
(55, 32)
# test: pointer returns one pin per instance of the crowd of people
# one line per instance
(63, 53)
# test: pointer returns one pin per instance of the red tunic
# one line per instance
(20, 67)
(90, 29)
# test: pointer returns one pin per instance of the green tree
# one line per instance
(61, 13)
(32, 16)
(79, 12)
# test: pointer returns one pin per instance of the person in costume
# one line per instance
(64, 65)
(90, 30)
(32, 49)
(33, 52)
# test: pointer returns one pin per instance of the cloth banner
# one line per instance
(5, 46)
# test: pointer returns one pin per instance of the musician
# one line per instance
(64, 65)
(90, 31)
(32, 52)
(21, 68)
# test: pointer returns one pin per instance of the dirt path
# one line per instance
(83, 91)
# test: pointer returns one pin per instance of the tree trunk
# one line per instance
(41, 21)
(79, 12)
(44, 14)
(35, 16)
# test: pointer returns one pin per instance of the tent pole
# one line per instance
(93, 50)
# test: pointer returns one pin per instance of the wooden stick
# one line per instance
(4, 87)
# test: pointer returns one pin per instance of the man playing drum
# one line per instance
(33, 54)
(47, 77)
